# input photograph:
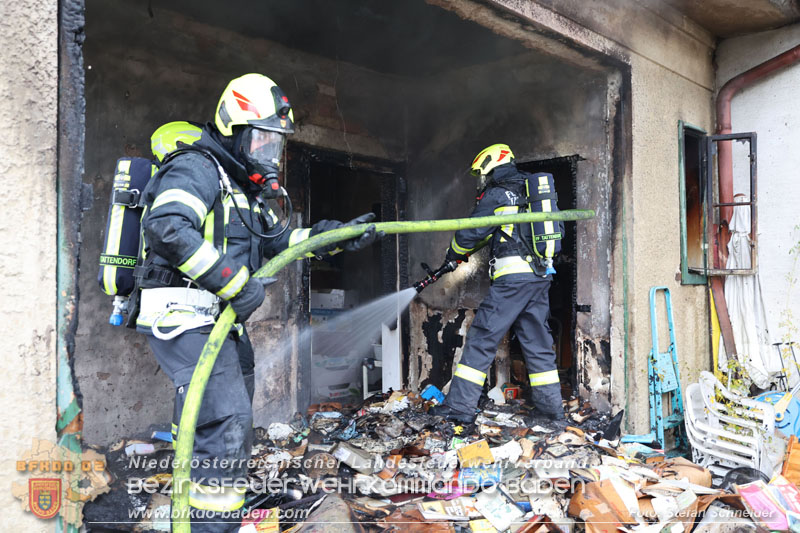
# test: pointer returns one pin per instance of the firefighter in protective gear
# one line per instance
(518, 297)
(199, 255)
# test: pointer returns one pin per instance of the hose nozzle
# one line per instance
(433, 276)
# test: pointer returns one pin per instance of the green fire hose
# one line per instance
(197, 386)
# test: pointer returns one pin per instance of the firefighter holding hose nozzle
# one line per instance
(206, 229)
(521, 270)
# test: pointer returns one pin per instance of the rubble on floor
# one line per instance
(388, 466)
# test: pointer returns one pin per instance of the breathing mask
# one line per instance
(261, 152)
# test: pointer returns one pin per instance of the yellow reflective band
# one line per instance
(226, 218)
(174, 429)
(470, 374)
(121, 178)
(547, 207)
(549, 229)
(112, 246)
(142, 240)
(530, 206)
(544, 378)
(507, 210)
(200, 261)
(272, 215)
(234, 285)
(216, 499)
(239, 329)
(182, 197)
(459, 249)
(208, 228)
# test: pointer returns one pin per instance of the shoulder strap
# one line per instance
(188, 148)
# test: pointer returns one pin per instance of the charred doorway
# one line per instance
(563, 290)
(343, 187)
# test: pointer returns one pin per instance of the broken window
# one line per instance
(731, 199)
(718, 198)
(692, 198)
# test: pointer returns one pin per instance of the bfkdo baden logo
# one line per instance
(54, 482)
(44, 496)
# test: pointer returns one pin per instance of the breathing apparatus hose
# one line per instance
(288, 210)
(202, 371)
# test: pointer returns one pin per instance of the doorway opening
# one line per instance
(563, 291)
(341, 187)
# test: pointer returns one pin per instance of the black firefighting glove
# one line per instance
(250, 297)
(353, 245)
(452, 255)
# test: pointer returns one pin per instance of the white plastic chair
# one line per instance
(758, 417)
(714, 446)
(748, 416)
(717, 426)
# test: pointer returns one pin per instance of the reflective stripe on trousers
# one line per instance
(470, 374)
(544, 378)
(519, 304)
(217, 499)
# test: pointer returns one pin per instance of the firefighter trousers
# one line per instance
(224, 433)
(524, 305)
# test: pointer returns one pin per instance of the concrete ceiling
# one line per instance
(413, 38)
(728, 18)
(407, 37)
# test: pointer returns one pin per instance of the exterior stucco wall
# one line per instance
(769, 108)
(28, 110)
(660, 99)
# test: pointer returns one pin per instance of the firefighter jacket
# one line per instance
(192, 234)
(510, 245)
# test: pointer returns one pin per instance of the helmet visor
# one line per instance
(264, 147)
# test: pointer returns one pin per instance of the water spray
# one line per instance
(202, 371)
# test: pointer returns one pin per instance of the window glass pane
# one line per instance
(694, 191)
